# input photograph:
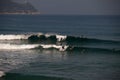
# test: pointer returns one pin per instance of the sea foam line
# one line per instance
(17, 47)
(31, 46)
(59, 47)
(13, 37)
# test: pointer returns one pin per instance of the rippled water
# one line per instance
(33, 47)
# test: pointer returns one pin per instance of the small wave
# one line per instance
(17, 76)
(17, 47)
(31, 46)
(91, 49)
(73, 39)
(52, 46)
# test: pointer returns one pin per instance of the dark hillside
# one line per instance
(8, 6)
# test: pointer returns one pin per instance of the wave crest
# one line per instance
(50, 37)
(17, 47)
(13, 37)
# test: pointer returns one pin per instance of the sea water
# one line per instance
(59, 47)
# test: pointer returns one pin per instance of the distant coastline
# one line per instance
(20, 13)
(10, 7)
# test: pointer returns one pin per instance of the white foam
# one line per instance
(13, 37)
(61, 37)
(23, 36)
(17, 47)
(47, 35)
(2, 74)
(38, 34)
(59, 47)
(47, 46)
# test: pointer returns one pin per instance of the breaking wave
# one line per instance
(52, 47)
(31, 46)
(17, 47)
(54, 41)
(52, 37)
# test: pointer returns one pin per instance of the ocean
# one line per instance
(59, 47)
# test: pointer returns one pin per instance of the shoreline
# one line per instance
(20, 13)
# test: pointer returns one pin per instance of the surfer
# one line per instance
(61, 39)
(63, 47)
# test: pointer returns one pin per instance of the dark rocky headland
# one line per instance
(11, 7)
